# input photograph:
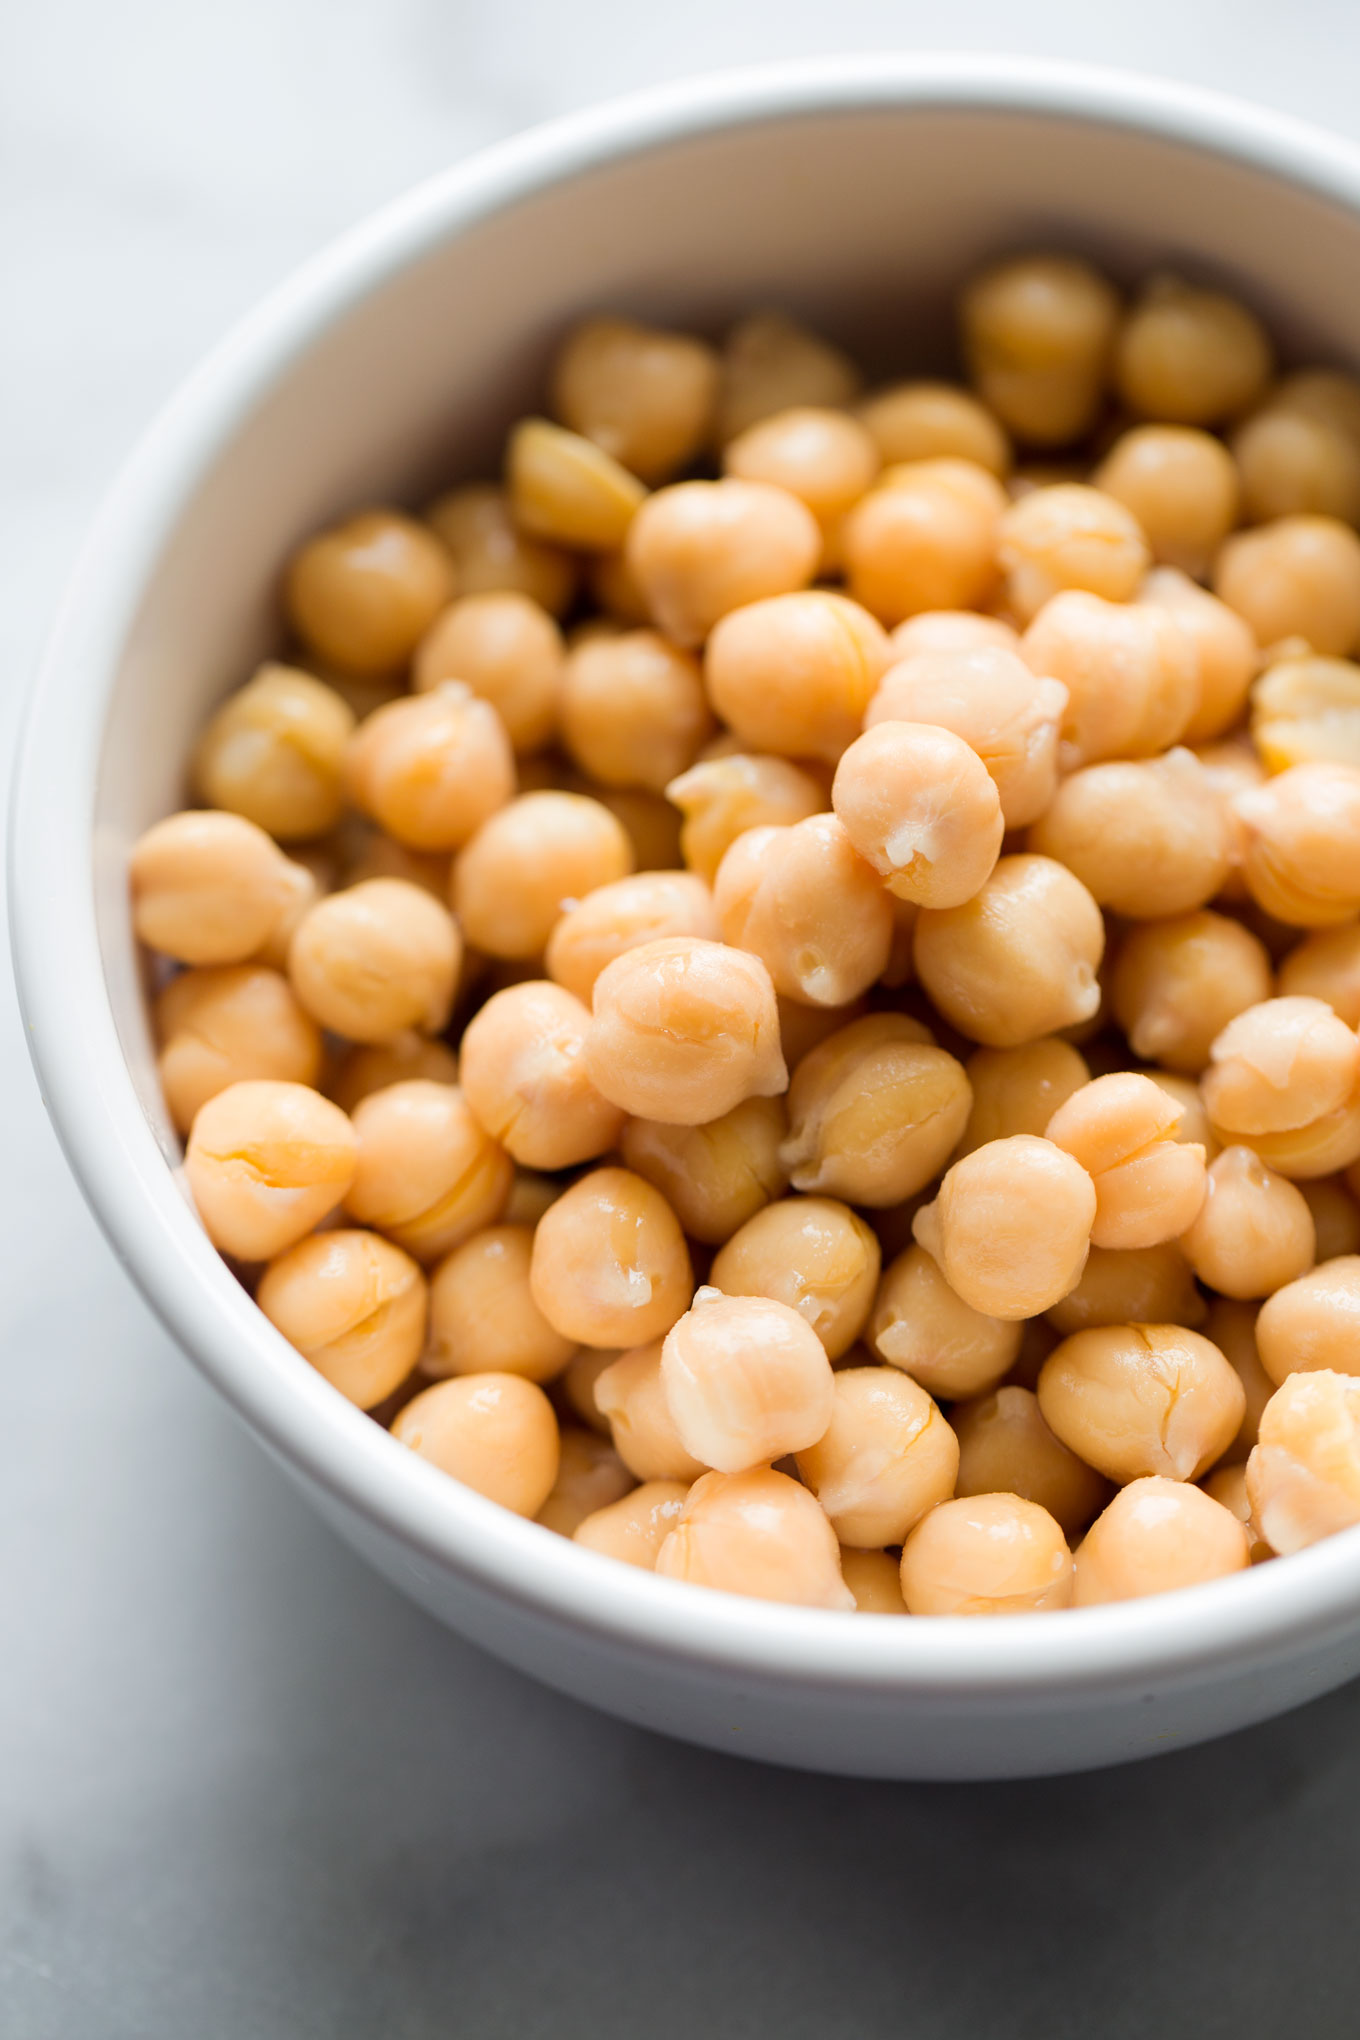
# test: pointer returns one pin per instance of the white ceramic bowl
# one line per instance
(858, 193)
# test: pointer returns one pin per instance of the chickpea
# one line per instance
(365, 1070)
(1190, 357)
(874, 1113)
(428, 1176)
(1178, 982)
(483, 1319)
(933, 421)
(986, 1555)
(1147, 838)
(812, 1253)
(1069, 536)
(1149, 1187)
(989, 698)
(924, 538)
(1301, 858)
(1180, 484)
(952, 630)
(577, 1384)
(509, 651)
(523, 1069)
(1017, 1090)
(1296, 577)
(431, 768)
(1142, 1399)
(720, 798)
(757, 1533)
(631, 1396)
(805, 902)
(701, 549)
(1005, 1447)
(1019, 959)
(1194, 1127)
(1313, 1322)
(920, 1325)
(210, 887)
(361, 594)
(794, 674)
(1336, 1217)
(632, 709)
(1254, 1231)
(683, 1030)
(823, 457)
(1231, 1327)
(746, 1380)
(1283, 1077)
(353, 1305)
(918, 805)
(514, 880)
(1227, 1485)
(566, 489)
(645, 396)
(1157, 1535)
(715, 1176)
(634, 1528)
(1131, 1285)
(265, 1162)
(1303, 1478)
(1227, 649)
(803, 1028)
(621, 916)
(1292, 464)
(492, 556)
(610, 1266)
(273, 753)
(496, 1433)
(1323, 393)
(1307, 711)
(883, 1460)
(1011, 1227)
(771, 365)
(590, 1476)
(872, 1577)
(376, 959)
(1038, 332)
(1131, 671)
(225, 1024)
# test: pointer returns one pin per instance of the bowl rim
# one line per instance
(1268, 1614)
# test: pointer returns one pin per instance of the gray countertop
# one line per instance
(247, 1793)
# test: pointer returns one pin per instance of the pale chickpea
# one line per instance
(630, 1395)
(771, 364)
(365, 1070)
(1142, 1399)
(720, 798)
(621, 916)
(920, 1325)
(701, 549)
(746, 1380)
(566, 489)
(265, 1162)
(610, 1266)
(362, 594)
(793, 675)
(1292, 464)
(874, 1113)
(354, 1306)
(934, 420)
(1336, 1217)
(209, 887)
(714, 1176)
(823, 457)
(1017, 1090)
(952, 630)
(1307, 711)
(919, 806)
(873, 1578)
(1006, 1448)
(1131, 671)
(683, 1030)
(1149, 1186)
(1011, 1227)
(632, 709)
(1176, 984)
(226, 1023)
(429, 1176)
(431, 768)
(1232, 1328)
(273, 753)
(924, 538)
(988, 697)
(807, 904)
(515, 878)
(644, 395)
(1156, 1536)
(1131, 1285)
(482, 1316)
(1303, 1478)
(509, 651)
(1069, 536)
(1180, 484)
(1226, 647)
(590, 1476)
(1190, 357)
(496, 1433)
(1313, 1322)
(492, 556)
(1019, 959)
(1283, 1077)
(1254, 1231)
(375, 959)
(885, 1457)
(1296, 577)
(986, 1555)
(523, 1068)
(812, 1253)
(757, 1533)
(634, 1528)
(1301, 856)
(1038, 333)
(1147, 838)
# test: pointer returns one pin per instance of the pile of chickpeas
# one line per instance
(777, 990)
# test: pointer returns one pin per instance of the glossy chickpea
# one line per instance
(756, 1533)
(1069, 536)
(1142, 1399)
(1038, 332)
(361, 594)
(1017, 1090)
(1303, 1477)
(496, 1433)
(1283, 1078)
(429, 1176)
(714, 1176)
(683, 1030)
(1336, 1217)
(1005, 1447)
(376, 959)
(566, 489)
(873, 1578)
(793, 675)
(720, 798)
(492, 556)
(986, 1555)
(273, 753)
(431, 768)
(645, 396)
(1011, 1227)
(209, 887)
(885, 1457)
(634, 1528)
(1177, 983)
(1149, 1186)
(922, 1326)
(353, 1305)
(523, 1069)
(1147, 838)
(365, 1070)
(1296, 577)
(812, 1253)
(1131, 1285)
(226, 1024)
(920, 807)
(1301, 853)
(1227, 651)
(771, 364)
(746, 1380)
(265, 1162)
(632, 709)
(1254, 1231)
(513, 881)
(805, 902)
(988, 697)
(1182, 487)
(1157, 1535)
(1307, 711)
(1019, 959)
(1231, 1327)
(825, 458)
(610, 1266)
(1190, 357)
(590, 1476)
(874, 1112)
(482, 1316)
(952, 630)
(509, 651)
(933, 421)
(1131, 671)
(631, 1397)
(924, 538)
(699, 550)
(621, 916)
(1313, 1322)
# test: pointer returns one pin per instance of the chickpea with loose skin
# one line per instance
(376, 959)
(431, 768)
(353, 1305)
(1177, 983)
(1038, 334)
(1149, 1187)
(812, 1253)
(645, 396)
(209, 887)
(1133, 1400)
(683, 1030)
(227, 1023)
(523, 1068)
(1019, 959)
(496, 1433)
(1005, 1447)
(794, 674)
(622, 915)
(1011, 1226)
(1156, 1536)
(986, 1555)
(758, 1533)
(921, 1326)
(1284, 1077)
(512, 883)
(721, 798)
(989, 698)
(265, 1162)
(1306, 711)
(874, 1112)
(610, 1266)
(273, 752)
(1303, 1477)
(806, 903)
(717, 1175)
(1301, 848)
(699, 550)
(362, 595)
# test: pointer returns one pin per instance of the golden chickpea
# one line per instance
(509, 651)
(1313, 1322)
(952, 630)
(1336, 1217)
(720, 798)
(1296, 577)
(645, 396)
(514, 880)
(1131, 1285)
(746, 1380)
(1069, 536)
(757, 1533)
(634, 1528)
(770, 365)
(715, 1176)
(919, 806)
(209, 887)
(492, 556)
(1019, 959)
(683, 1030)
(363, 593)
(354, 1306)
(805, 902)
(496, 1433)
(365, 1070)
(885, 1457)
(920, 1325)
(924, 538)
(1147, 838)
(1232, 1328)
(610, 1266)
(1038, 332)
(621, 916)
(431, 768)
(482, 1316)
(1301, 858)
(823, 457)
(1281, 1067)
(1017, 1090)
(376, 959)
(523, 1069)
(265, 1162)
(1149, 1186)
(631, 1397)
(812, 1253)
(873, 1579)
(590, 1476)
(1292, 464)
(633, 710)
(933, 421)
(568, 490)
(1180, 484)
(793, 675)
(273, 753)
(988, 697)
(1011, 1227)
(225, 1024)
(874, 1113)
(1131, 671)
(1006, 1448)
(1157, 1535)
(701, 549)
(1190, 357)
(1227, 649)
(429, 1176)
(1303, 1478)
(1177, 983)
(1254, 1231)
(986, 1555)
(1142, 1399)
